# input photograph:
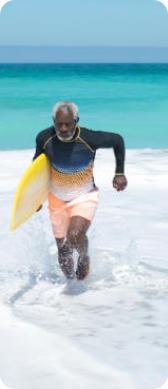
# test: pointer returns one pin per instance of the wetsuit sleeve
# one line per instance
(41, 140)
(39, 146)
(102, 139)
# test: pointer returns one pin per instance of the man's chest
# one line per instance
(69, 157)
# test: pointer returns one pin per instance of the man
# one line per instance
(73, 196)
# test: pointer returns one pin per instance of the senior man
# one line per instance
(73, 196)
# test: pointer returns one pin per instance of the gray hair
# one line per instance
(66, 106)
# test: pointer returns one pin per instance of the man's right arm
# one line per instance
(39, 150)
(39, 147)
(41, 140)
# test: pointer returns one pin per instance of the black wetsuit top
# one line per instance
(72, 161)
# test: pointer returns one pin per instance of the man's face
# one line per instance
(65, 125)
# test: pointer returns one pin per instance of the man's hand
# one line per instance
(39, 208)
(120, 182)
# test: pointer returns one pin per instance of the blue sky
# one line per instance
(84, 23)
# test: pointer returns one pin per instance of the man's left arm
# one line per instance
(119, 180)
(103, 139)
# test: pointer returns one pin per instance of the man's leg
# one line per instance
(72, 221)
(60, 220)
(77, 239)
(65, 258)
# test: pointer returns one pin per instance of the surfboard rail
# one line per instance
(32, 191)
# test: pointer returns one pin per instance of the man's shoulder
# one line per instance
(101, 139)
(45, 134)
(91, 132)
(86, 131)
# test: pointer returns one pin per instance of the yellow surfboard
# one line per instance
(32, 191)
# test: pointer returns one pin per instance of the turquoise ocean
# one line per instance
(110, 330)
(130, 99)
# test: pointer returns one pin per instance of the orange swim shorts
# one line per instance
(61, 211)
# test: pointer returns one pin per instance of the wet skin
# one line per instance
(120, 182)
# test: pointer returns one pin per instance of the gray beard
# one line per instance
(66, 139)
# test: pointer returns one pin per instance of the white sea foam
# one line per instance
(2, 385)
(34, 358)
(111, 328)
(165, 386)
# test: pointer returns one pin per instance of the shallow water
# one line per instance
(130, 99)
(112, 327)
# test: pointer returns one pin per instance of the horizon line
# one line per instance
(84, 46)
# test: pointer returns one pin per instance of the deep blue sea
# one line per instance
(130, 99)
